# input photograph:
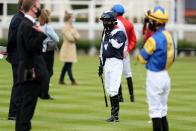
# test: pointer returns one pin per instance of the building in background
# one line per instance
(190, 11)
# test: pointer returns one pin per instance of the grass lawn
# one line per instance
(82, 107)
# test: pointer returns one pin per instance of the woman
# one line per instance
(48, 52)
(68, 53)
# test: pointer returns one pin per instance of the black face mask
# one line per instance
(146, 22)
(38, 13)
(109, 26)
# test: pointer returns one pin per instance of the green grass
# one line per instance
(82, 108)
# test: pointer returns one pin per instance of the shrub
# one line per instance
(54, 19)
(186, 47)
(82, 44)
(85, 44)
(184, 44)
(3, 41)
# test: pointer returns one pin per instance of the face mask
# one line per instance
(108, 26)
(38, 13)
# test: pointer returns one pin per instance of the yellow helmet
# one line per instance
(158, 14)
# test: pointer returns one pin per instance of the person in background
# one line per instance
(48, 54)
(158, 54)
(12, 58)
(32, 67)
(68, 53)
(128, 29)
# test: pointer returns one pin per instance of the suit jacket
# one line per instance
(12, 37)
(29, 45)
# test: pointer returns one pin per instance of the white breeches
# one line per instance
(127, 67)
(113, 72)
(157, 90)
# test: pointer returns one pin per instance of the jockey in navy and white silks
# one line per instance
(111, 55)
(112, 52)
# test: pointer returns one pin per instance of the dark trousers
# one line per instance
(30, 91)
(15, 93)
(67, 68)
(44, 90)
(49, 61)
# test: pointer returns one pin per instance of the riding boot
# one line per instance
(114, 110)
(112, 105)
(120, 94)
(165, 123)
(130, 87)
(157, 124)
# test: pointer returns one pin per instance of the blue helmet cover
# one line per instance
(118, 8)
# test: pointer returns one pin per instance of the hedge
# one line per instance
(185, 44)
(3, 41)
(85, 44)
(82, 44)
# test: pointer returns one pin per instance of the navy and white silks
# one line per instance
(111, 54)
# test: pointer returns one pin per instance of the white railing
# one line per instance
(133, 7)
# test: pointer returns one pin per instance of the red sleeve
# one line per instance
(129, 32)
(147, 33)
(131, 38)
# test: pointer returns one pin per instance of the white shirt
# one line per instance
(30, 18)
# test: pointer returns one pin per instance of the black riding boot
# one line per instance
(130, 87)
(157, 124)
(112, 105)
(120, 94)
(114, 109)
(165, 124)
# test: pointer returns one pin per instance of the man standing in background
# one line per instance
(128, 29)
(13, 60)
(32, 67)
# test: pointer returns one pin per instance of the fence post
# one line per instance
(91, 30)
(1, 32)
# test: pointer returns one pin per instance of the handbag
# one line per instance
(48, 43)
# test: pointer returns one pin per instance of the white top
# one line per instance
(51, 34)
(30, 18)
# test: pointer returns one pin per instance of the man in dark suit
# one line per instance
(31, 68)
(13, 60)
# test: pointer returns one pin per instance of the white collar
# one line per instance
(30, 18)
